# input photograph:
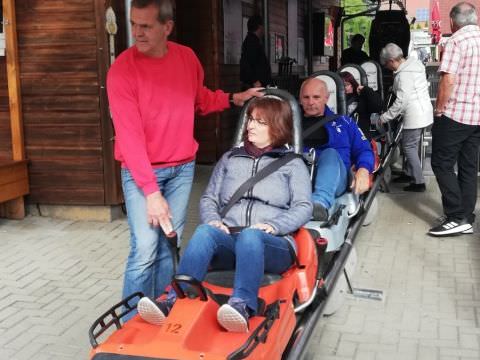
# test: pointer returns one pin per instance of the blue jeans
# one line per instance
(330, 179)
(251, 252)
(149, 265)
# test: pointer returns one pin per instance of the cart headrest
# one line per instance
(357, 72)
(374, 76)
(297, 118)
(336, 101)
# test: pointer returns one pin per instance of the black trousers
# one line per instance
(453, 142)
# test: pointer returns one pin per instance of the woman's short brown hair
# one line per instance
(278, 116)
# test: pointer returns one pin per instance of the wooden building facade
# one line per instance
(63, 60)
(68, 134)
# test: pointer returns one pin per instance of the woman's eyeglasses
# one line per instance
(258, 121)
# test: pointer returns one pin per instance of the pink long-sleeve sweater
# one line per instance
(153, 102)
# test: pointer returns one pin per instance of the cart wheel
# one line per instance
(337, 296)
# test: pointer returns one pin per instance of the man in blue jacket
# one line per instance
(338, 144)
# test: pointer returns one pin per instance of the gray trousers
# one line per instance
(410, 140)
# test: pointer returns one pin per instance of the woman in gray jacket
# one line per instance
(254, 235)
(413, 102)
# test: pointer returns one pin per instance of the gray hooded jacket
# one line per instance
(282, 199)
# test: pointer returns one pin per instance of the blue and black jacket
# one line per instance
(344, 136)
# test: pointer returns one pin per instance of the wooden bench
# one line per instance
(13, 186)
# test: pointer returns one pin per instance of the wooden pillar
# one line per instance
(13, 79)
(15, 208)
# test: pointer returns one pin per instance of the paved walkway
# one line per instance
(431, 308)
(57, 276)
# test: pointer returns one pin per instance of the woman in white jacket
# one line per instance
(413, 102)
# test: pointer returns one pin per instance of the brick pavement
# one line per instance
(431, 308)
(57, 276)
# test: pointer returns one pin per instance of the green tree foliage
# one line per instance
(358, 25)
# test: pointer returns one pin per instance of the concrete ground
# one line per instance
(58, 276)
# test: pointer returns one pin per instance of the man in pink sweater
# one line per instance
(154, 89)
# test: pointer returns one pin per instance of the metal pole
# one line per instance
(310, 37)
(129, 27)
(266, 41)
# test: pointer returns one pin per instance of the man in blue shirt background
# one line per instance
(338, 144)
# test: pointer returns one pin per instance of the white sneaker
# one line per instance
(231, 319)
(151, 311)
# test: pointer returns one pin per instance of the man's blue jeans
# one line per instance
(330, 179)
(149, 265)
(251, 252)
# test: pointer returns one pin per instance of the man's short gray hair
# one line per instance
(391, 51)
(464, 14)
(321, 83)
(165, 8)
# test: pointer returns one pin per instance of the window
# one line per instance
(422, 14)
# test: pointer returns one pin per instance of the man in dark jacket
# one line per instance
(354, 54)
(338, 144)
(254, 65)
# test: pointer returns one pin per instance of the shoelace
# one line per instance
(441, 219)
(238, 304)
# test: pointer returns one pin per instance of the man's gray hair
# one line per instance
(464, 14)
(317, 80)
(165, 8)
(391, 51)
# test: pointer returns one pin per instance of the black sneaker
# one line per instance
(451, 227)
(320, 213)
(154, 312)
(404, 178)
(442, 218)
(415, 187)
(234, 315)
(468, 231)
